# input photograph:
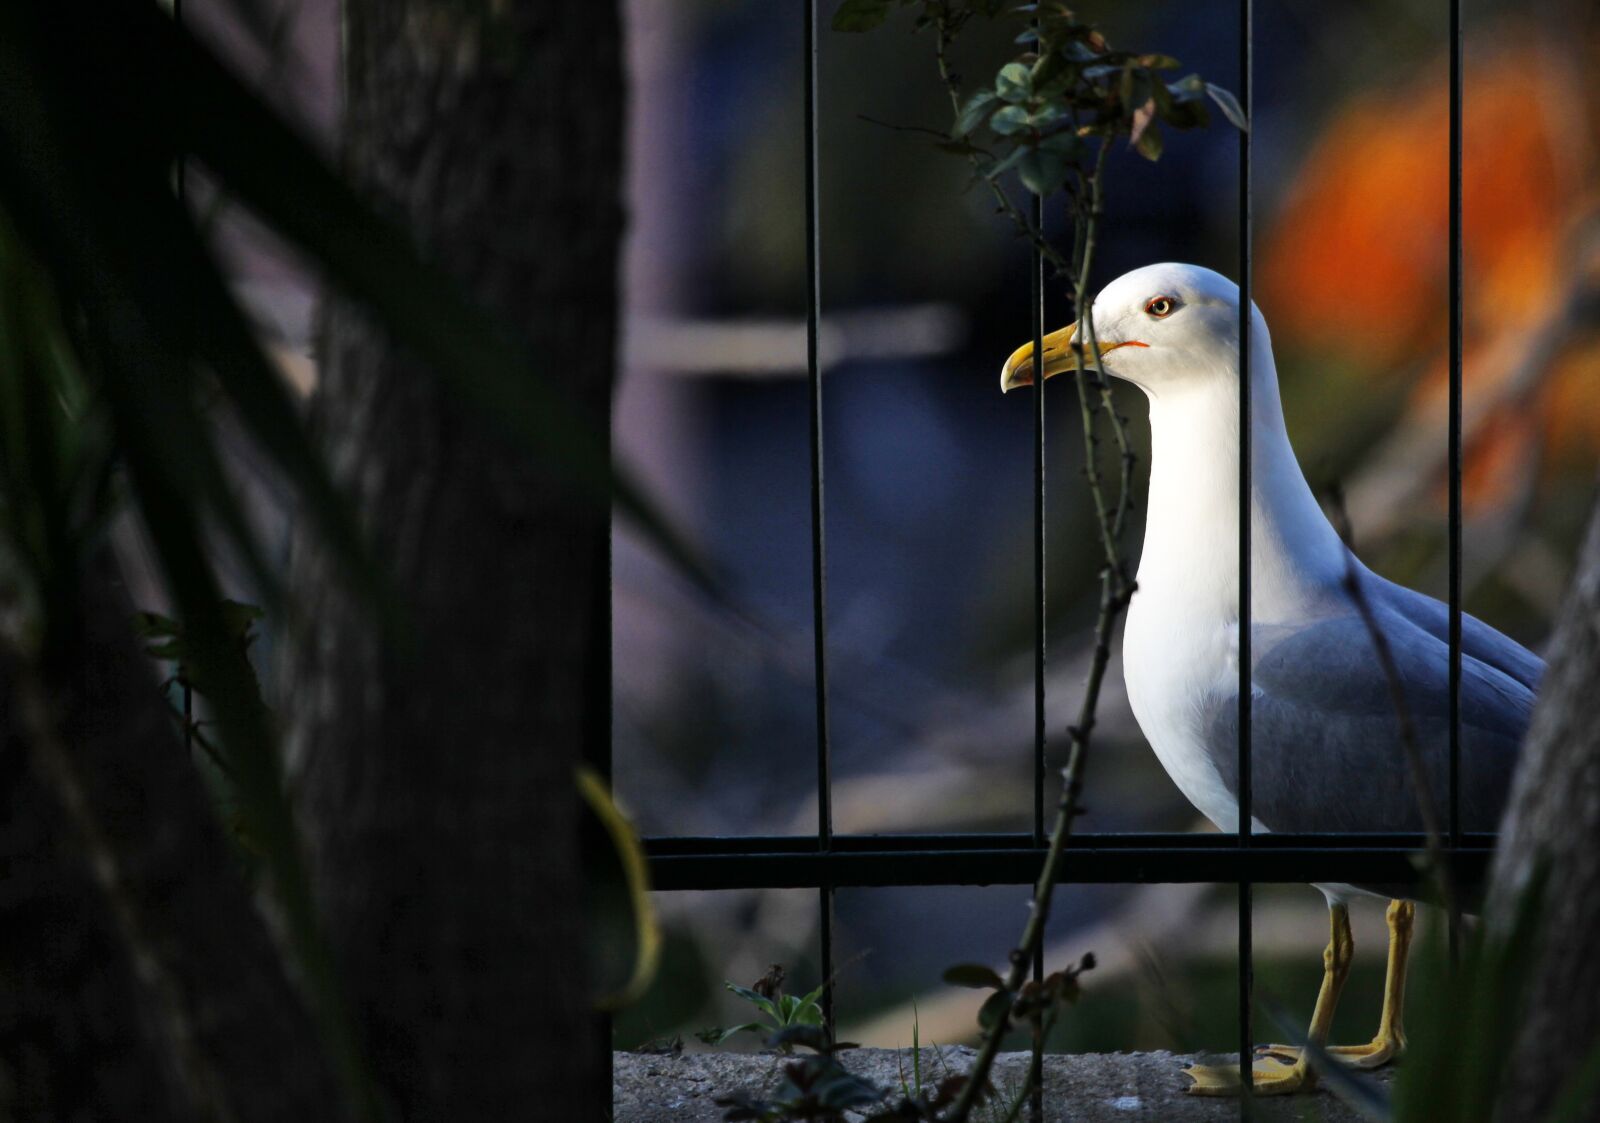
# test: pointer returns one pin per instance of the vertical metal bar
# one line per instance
(1246, 949)
(819, 565)
(1036, 306)
(181, 189)
(1036, 273)
(179, 176)
(1455, 450)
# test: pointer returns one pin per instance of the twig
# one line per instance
(923, 129)
(1115, 593)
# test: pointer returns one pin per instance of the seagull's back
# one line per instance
(1326, 747)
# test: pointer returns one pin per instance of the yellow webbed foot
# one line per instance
(1375, 1054)
(1272, 1078)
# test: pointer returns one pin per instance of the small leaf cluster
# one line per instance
(814, 1087)
(1067, 88)
(1036, 1002)
(783, 1011)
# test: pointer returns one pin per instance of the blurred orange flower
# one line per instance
(1363, 233)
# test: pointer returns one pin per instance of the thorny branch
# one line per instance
(1116, 589)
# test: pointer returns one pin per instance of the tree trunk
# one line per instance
(1554, 821)
(435, 779)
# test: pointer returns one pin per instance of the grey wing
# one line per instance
(1326, 747)
(1478, 640)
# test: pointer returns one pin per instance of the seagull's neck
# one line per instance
(1191, 543)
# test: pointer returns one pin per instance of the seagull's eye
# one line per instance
(1161, 306)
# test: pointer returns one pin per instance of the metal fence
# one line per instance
(829, 861)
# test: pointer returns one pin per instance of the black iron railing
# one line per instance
(829, 861)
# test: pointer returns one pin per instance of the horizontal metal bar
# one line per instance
(702, 845)
(1093, 860)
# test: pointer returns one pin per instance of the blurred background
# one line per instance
(929, 515)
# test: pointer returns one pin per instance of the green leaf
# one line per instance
(1043, 170)
(717, 1035)
(788, 1004)
(1158, 62)
(1053, 75)
(1046, 116)
(1231, 109)
(1014, 83)
(620, 882)
(1149, 144)
(994, 1009)
(1191, 87)
(973, 112)
(860, 15)
(1066, 143)
(974, 975)
(759, 1002)
(1006, 163)
(1010, 120)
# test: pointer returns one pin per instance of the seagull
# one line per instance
(1326, 745)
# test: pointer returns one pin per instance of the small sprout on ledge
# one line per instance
(784, 1012)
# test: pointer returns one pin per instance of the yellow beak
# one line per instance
(1058, 355)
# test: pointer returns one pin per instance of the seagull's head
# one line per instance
(1153, 327)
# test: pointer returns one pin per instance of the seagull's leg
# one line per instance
(1275, 1076)
(1390, 1042)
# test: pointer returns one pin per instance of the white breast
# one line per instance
(1177, 666)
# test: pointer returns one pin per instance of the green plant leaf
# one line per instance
(1149, 143)
(718, 1035)
(1043, 170)
(1014, 83)
(1005, 163)
(759, 1002)
(1010, 120)
(994, 1008)
(973, 112)
(632, 889)
(1191, 87)
(1066, 143)
(1231, 109)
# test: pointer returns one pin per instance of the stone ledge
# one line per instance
(1089, 1088)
